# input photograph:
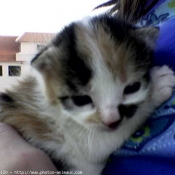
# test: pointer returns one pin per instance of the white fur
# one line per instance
(82, 142)
(87, 149)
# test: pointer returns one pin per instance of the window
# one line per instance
(40, 47)
(14, 70)
(0, 70)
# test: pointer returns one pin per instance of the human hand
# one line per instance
(18, 155)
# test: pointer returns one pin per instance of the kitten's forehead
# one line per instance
(95, 46)
(110, 45)
(84, 50)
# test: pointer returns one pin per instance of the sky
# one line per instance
(19, 16)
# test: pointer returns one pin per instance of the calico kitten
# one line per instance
(92, 88)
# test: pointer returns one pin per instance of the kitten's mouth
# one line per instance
(114, 125)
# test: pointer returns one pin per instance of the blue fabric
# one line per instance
(165, 50)
(156, 6)
(151, 150)
(141, 165)
(162, 11)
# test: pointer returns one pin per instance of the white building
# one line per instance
(31, 43)
(15, 52)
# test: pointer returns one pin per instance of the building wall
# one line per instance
(28, 50)
(31, 47)
(5, 79)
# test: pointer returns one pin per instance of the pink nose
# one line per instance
(114, 124)
(111, 118)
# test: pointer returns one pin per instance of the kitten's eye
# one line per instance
(132, 88)
(81, 100)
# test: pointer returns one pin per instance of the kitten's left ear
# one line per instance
(148, 34)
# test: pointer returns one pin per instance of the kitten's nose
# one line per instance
(111, 118)
(113, 125)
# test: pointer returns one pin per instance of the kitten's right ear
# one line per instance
(36, 61)
(40, 62)
(148, 34)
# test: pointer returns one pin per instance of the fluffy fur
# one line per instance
(89, 90)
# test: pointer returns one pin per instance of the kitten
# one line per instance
(92, 88)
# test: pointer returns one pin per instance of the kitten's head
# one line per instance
(98, 70)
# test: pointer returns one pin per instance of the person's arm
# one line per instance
(17, 155)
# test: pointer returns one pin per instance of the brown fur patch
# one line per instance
(28, 125)
(24, 113)
(50, 91)
(115, 55)
(94, 119)
(32, 127)
(85, 40)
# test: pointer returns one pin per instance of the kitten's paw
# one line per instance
(163, 81)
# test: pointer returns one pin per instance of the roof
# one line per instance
(35, 37)
(8, 48)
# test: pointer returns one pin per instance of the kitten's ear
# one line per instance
(148, 34)
(36, 62)
(48, 67)
(41, 61)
